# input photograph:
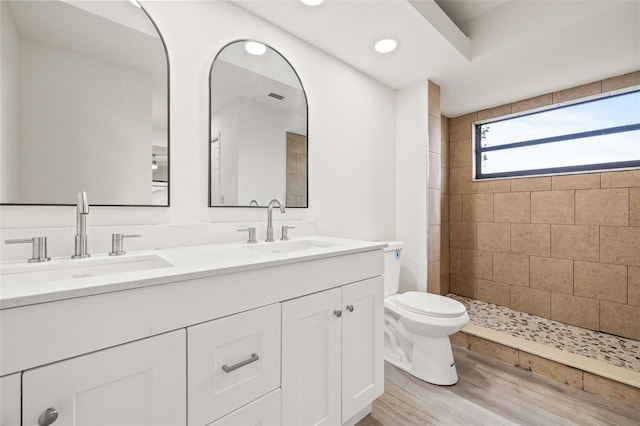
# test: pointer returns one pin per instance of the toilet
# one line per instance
(417, 326)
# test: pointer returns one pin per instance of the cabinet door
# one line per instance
(311, 360)
(362, 345)
(265, 411)
(10, 400)
(140, 383)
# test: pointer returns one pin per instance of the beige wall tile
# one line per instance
(621, 81)
(494, 292)
(511, 268)
(621, 320)
(600, 281)
(581, 181)
(444, 283)
(531, 300)
(533, 239)
(552, 207)
(444, 261)
(460, 339)
(461, 127)
(477, 207)
(612, 390)
(435, 171)
(532, 103)
(462, 235)
(455, 208)
(496, 185)
(634, 286)
(444, 148)
(494, 236)
(494, 350)
(551, 274)
(575, 242)
(455, 261)
(433, 202)
(602, 207)
(514, 207)
(460, 181)
(444, 207)
(496, 112)
(477, 264)
(621, 179)
(434, 99)
(460, 153)
(634, 206)
(575, 310)
(620, 245)
(444, 175)
(577, 92)
(555, 370)
(531, 184)
(463, 286)
(444, 235)
(433, 243)
(433, 277)
(435, 134)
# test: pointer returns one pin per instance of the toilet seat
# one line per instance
(430, 304)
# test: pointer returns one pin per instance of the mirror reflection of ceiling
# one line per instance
(241, 75)
(106, 29)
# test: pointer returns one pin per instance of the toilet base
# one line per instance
(432, 360)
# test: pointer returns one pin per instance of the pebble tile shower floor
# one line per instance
(614, 350)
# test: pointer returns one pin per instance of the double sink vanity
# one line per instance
(288, 332)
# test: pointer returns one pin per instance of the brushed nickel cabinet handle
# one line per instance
(229, 368)
(350, 308)
(337, 313)
(49, 416)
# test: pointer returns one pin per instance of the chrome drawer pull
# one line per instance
(230, 368)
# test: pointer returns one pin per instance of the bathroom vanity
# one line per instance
(269, 333)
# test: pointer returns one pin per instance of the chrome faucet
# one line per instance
(254, 203)
(82, 210)
(274, 202)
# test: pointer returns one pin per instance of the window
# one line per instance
(599, 134)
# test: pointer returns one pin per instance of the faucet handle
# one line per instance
(285, 232)
(252, 234)
(39, 248)
(117, 243)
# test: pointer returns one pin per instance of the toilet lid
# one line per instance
(430, 304)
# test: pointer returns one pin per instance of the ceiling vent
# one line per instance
(276, 96)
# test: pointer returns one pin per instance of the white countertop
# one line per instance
(187, 263)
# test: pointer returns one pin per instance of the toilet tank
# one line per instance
(392, 256)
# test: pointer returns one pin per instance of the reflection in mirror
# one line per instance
(258, 140)
(84, 104)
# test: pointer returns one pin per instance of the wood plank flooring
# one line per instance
(490, 392)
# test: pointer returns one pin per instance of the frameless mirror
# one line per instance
(84, 104)
(258, 129)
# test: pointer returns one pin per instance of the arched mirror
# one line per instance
(258, 129)
(84, 104)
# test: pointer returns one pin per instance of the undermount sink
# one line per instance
(66, 269)
(288, 246)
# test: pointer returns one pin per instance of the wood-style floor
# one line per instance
(490, 392)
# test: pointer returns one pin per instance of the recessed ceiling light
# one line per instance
(312, 2)
(255, 48)
(386, 45)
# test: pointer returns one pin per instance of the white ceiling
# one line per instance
(515, 49)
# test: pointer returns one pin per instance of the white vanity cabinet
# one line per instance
(332, 354)
(233, 361)
(139, 383)
(10, 400)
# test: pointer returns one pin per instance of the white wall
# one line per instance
(9, 80)
(351, 132)
(412, 140)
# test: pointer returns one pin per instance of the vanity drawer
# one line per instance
(231, 362)
(263, 411)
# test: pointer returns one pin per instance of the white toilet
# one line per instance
(417, 326)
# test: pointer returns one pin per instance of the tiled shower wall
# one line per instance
(564, 247)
